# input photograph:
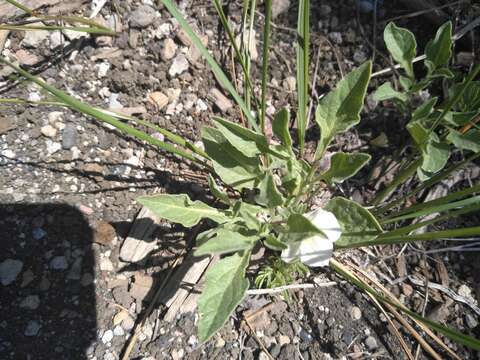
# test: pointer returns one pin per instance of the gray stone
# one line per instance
(336, 37)
(128, 323)
(356, 313)
(48, 131)
(69, 136)
(168, 50)
(279, 7)
(118, 331)
(220, 100)
(87, 279)
(371, 343)
(9, 270)
(107, 336)
(471, 321)
(59, 263)
(359, 56)
(33, 328)
(38, 233)
(31, 302)
(34, 38)
(143, 16)
(75, 272)
(179, 65)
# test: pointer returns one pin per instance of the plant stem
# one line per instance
(266, 43)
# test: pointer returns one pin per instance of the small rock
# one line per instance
(158, 99)
(69, 136)
(356, 313)
(33, 328)
(34, 38)
(407, 289)
(26, 58)
(143, 16)
(220, 343)
(128, 323)
(179, 65)
(107, 336)
(31, 302)
(359, 56)
(103, 233)
(7, 124)
(75, 272)
(48, 131)
(465, 58)
(290, 83)
(336, 37)
(109, 356)
(371, 343)
(246, 41)
(465, 291)
(8, 154)
(56, 39)
(27, 278)
(103, 69)
(106, 264)
(87, 279)
(325, 10)
(38, 233)
(200, 105)
(44, 284)
(220, 100)
(168, 50)
(283, 340)
(279, 7)
(52, 147)
(59, 263)
(471, 321)
(9, 270)
(118, 331)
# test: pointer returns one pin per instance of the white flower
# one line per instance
(316, 250)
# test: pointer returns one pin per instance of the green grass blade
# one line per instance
(221, 77)
(90, 30)
(426, 184)
(386, 239)
(248, 93)
(265, 57)
(100, 115)
(20, 6)
(441, 201)
(302, 49)
(449, 333)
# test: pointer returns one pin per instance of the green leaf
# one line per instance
(214, 189)
(225, 288)
(234, 168)
(387, 92)
(273, 243)
(340, 109)
(226, 241)
(299, 228)
(269, 195)
(180, 209)
(439, 50)
(246, 147)
(424, 110)
(405, 82)
(296, 171)
(401, 45)
(280, 127)
(460, 118)
(249, 214)
(468, 141)
(344, 166)
(357, 223)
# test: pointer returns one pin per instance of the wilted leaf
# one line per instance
(357, 223)
(225, 287)
(340, 109)
(226, 241)
(401, 45)
(180, 209)
(387, 92)
(344, 166)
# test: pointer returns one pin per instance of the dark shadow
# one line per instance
(47, 293)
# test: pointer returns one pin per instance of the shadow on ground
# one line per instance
(47, 292)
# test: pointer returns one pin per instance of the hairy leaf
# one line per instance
(233, 167)
(401, 45)
(273, 243)
(439, 50)
(269, 195)
(214, 189)
(340, 109)
(299, 228)
(180, 209)
(424, 110)
(468, 141)
(226, 241)
(280, 127)
(344, 166)
(225, 287)
(357, 223)
(387, 92)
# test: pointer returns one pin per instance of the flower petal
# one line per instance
(327, 222)
(314, 251)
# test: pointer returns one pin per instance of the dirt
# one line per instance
(75, 299)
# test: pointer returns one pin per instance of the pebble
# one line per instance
(69, 136)
(48, 131)
(33, 328)
(75, 272)
(200, 105)
(359, 56)
(279, 7)
(103, 233)
(34, 38)
(106, 264)
(118, 331)
(8, 153)
(356, 313)
(59, 263)
(336, 37)
(158, 99)
(103, 69)
(109, 356)
(38, 233)
(325, 10)
(220, 100)
(471, 321)
(465, 291)
(143, 16)
(290, 83)
(31, 302)
(52, 147)
(87, 279)
(371, 343)
(220, 343)
(107, 336)
(9, 270)
(128, 324)
(168, 50)
(179, 65)
(283, 340)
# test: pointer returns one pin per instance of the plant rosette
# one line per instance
(316, 250)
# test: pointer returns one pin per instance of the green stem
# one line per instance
(266, 44)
